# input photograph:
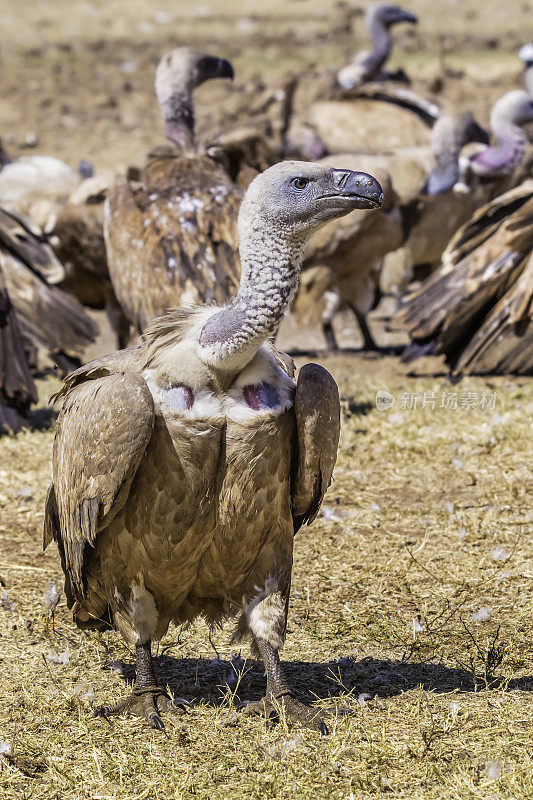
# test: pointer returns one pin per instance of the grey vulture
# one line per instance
(171, 228)
(477, 308)
(343, 262)
(183, 468)
(363, 109)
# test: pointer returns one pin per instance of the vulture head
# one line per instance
(514, 108)
(388, 15)
(179, 72)
(295, 198)
(525, 54)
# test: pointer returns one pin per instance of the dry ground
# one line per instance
(428, 521)
(412, 599)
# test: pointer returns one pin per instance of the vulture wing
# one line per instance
(24, 240)
(102, 433)
(17, 389)
(317, 409)
(49, 319)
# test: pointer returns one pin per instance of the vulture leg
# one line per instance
(279, 694)
(369, 343)
(329, 335)
(147, 699)
(119, 322)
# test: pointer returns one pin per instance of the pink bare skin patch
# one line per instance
(178, 398)
(260, 396)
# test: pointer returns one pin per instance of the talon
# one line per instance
(324, 729)
(157, 722)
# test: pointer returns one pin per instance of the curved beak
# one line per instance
(224, 69)
(357, 189)
(210, 67)
(406, 16)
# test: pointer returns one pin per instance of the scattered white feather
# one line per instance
(483, 614)
(329, 514)
(418, 626)
(6, 749)
(58, 658)
(51, 596)
(375, 507)
(499, 554)
(493, 769)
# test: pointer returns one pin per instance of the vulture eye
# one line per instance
(299, 183)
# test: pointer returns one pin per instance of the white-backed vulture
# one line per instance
(204, 457)
(364, 111)
(171, 228)
(477, 308)
(55, 328)
(343, 260)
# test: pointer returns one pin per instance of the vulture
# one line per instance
(183, 467)
(171, 228)
(364, 111)
(69, 208)
(342, 267)
(477, 308)
(55, 328)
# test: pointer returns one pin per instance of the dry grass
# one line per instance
(443, 711)
(381, 623)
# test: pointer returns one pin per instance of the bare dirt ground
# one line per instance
(412, 602)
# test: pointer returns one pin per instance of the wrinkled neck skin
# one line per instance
(506, 155)
(178, 114)
(270, 272)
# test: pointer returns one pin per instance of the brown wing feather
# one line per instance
(102, 433)
(172, 237)
(317, 410)
(20, 237)
(17, 389)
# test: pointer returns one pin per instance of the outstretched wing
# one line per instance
(102, 433)
(317, 410)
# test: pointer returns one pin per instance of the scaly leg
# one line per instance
(265, 617)
(147, 699)
(279, 694)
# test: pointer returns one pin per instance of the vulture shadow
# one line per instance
(209, 681)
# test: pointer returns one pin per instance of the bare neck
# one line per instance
(270, 270)
(382, 44)
(178, 114)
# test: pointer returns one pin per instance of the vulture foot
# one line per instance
(279, 698)
(148, 699)
(293, 710)
(149, 703)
